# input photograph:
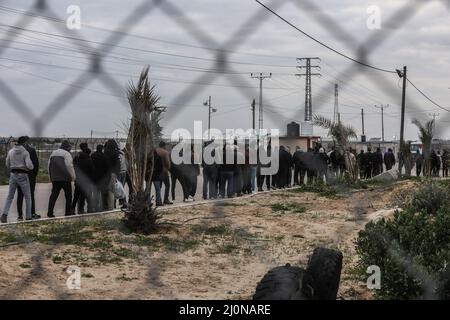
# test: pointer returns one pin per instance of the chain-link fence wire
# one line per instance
(221, 52)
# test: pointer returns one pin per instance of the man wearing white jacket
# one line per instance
(62, 173)
(18, 163)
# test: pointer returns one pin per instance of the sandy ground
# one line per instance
(204, 251)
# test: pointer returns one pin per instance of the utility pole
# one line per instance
(253, 114)
(92, 141)
(210, 110)
(261, 77)
(308, 74)
(362, 120)
(336, 102)
(382, 119)
(403, 75)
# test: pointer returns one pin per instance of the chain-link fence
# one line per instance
(99, 52)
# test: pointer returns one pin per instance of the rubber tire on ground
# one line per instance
(284, 283)
(325, 267)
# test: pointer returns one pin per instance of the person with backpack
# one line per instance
(62, 173)
(18, 163)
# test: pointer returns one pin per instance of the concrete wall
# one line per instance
(303, 142)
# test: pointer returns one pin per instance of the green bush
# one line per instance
(413, 248)
(429, 197)
(321, 189)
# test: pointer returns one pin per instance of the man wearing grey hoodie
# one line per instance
(18, 163)
(62, 173)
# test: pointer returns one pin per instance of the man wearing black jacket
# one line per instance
(84, 169)
(32, 178)
(285, 164)
(377, 162)
(227, 169)
(299, 167)
(100, 182)
(389, 159)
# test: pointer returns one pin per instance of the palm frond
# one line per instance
(426, 133)
(322, 122)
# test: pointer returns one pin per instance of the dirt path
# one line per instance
(205, 251)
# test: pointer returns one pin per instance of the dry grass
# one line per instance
(203, 251)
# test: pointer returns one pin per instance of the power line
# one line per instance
(134, 75)
(20, 12)
(224, 61)
(138, 62)
(322, 43)
(427, 97)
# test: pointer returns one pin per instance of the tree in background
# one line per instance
(341, 134)
(426, 133)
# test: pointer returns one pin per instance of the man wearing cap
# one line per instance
(62, 173)
(18, 163)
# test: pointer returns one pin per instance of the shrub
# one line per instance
(413, 248)
(429, 197)
(319, 188)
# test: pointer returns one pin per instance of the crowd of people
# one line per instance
(438, 162)
(94, 175)
(100, 177)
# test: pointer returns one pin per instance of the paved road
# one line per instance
(43, 191)
(42, 195)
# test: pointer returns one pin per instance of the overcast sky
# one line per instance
(38, 66)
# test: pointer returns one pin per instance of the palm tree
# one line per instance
(143, 132)
(341, 134)
(426, 133)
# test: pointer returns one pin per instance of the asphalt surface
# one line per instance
(42, 195)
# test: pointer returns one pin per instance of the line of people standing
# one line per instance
(438, 162)
(370, 164)
(95, 176)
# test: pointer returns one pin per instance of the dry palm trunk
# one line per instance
(141, 216)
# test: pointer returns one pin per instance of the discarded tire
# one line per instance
(325, 267)
(319, 281)
(284, 283)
